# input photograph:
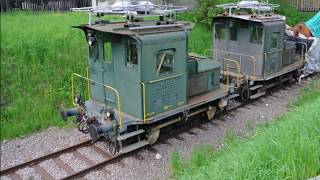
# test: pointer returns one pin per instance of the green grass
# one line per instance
(39, 51)
(287, 148)
(200, 39)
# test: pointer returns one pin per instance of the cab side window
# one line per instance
(107, 52)
(165, 62)
(233, 34)
(256, 34)
(274, 39)
(220, 31)
(132, 55)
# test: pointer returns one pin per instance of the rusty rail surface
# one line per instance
(71, 173)
(44, 158)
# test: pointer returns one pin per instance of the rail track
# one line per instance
(71, 173)
(108, 159)
(172, 132)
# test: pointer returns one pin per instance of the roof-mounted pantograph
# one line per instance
(133, 10)
(249, 5)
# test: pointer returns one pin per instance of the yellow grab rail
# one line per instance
(105, 86)
(252, 59)
(144, 102)
(238, 69)
(304, 50)
(228, 76)
(207, 50)
(88, 82)
(171, 77)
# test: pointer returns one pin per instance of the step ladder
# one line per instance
(133, 146)
(259, 94)
(129, 135)
(252, 88)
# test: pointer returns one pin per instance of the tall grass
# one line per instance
(288, 148)
(200, 39)
(39, 51)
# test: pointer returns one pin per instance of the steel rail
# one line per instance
(44, 158)
(93, 167)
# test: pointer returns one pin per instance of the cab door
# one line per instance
(164, 74)
(273, 50)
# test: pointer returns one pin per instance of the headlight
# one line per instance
(108, 114)
(91, 39)
(90, 42)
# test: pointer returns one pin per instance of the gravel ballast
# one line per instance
(241, 121)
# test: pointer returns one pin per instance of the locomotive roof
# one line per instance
(139, 28)
(249, 17)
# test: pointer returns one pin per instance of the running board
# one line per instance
(233, 96)
(256, 87)
(255, 96)
(134, 146)
(129, 135)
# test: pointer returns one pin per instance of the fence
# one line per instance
(302, 5)
(36, 5)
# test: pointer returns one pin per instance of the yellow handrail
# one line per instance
(205, 52)
(72, 91)
(252, 59)
(238, 69)
(304, 50)
(88, 82)
(106, 86)
(144, 102)
(228, 76)
(158, 80)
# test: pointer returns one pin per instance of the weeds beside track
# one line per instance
(287, 148)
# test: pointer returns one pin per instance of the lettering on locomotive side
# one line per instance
(167, 92)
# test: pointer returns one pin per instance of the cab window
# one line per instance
(274, 40)
(233, 34)
(220, 31)
(165, 62)
(132, 55)
(256, 34)
(107, 52)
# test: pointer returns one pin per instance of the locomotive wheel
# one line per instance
(211, 112)
(153, 136)
(245, 93)
(113, 147)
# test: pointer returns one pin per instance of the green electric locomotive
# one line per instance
(141, 78)
(251, 45)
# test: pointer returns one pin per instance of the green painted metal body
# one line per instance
(203, 75)
(261, 38)
(163, 91)
(158, 79)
